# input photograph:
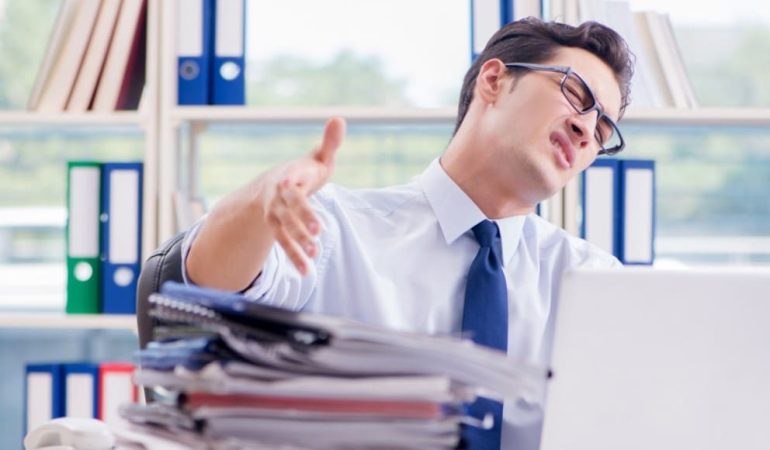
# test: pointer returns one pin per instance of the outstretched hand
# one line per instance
(287, 211)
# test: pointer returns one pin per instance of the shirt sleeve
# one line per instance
(279, 283)
(189, 237)
(599, 259)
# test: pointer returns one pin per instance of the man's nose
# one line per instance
(580, 129)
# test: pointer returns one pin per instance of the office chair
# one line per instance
(164, 264)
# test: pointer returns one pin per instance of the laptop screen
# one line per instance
(654, 359)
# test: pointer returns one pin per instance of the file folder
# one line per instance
(228, 87)
(122, 79)
(638, 194)
(487, 16)
(63, 74)
(42, 394)
(56, 43)
(601, 201)
(83, 268)
(96, 54)
(116, 388)
(81, 389)
(327, 345)
(194, 41)
(121, 236)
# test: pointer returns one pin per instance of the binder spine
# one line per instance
(81, 389)
(638, 197)
(487, 17)
(228, 79)
(116, 389)
(194, 51)
(43, 389)
(82, 237)
(121, 236)
(601, 223)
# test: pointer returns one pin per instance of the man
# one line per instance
(536, 108)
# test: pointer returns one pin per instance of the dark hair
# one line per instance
(532, 40)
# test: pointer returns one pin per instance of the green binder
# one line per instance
(83, 209)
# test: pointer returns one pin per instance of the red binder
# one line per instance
(116, 387)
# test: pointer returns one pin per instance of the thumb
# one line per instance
(334, 133)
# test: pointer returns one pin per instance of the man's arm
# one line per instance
(233, 244)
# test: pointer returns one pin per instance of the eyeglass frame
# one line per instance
(567, 71)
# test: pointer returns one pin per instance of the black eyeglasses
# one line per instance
(582, 99)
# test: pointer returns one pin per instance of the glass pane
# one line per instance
(33, 182)
(340, 52)
(370, 156)
(712, 186)
(25, 26)
(720, 42)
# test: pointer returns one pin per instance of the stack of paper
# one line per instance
(268, 376)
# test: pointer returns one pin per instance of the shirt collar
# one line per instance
(457, 214)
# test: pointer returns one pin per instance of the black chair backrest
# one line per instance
(164, 264)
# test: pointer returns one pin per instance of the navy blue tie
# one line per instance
(485, 318)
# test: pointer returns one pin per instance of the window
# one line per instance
(371, 155)
(712, 188)
(33, 170)
(341, 52)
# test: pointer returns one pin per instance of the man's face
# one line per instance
(540, 141)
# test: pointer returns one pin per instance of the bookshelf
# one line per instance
(199, 117)
(68, 321)
(144, 119)
(180, 127)
(298, 115)
(699, 116)
(167, 127)
(674, 116)
(134, 118)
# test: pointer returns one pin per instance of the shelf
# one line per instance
(699, 116)
(68, 321)
(210, 114)
(667, 116)
(81, 119)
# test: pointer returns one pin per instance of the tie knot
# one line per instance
(486, 231)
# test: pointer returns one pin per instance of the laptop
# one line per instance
(661, 359)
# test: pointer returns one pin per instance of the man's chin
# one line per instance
(550, 182)
(544, 180)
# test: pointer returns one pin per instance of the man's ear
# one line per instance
(489, 83)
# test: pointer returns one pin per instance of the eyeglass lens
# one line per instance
(582, 100)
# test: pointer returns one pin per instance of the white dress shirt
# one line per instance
(399, 256)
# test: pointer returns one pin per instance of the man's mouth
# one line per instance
(565, 151)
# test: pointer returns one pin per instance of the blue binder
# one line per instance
(487, 17)
(81, 390)
(638, 194)
(601, 204)
(228, 86)
(43, 391)
(194, 42)
(121, 235)
(528, 8)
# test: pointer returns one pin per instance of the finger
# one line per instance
(295, 199)
(334, 133)
(295, 228)
(306, 175)
(292, 250)
(281, 216)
